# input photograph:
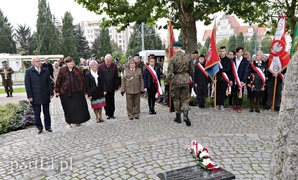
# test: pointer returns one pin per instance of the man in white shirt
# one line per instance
(239, 76)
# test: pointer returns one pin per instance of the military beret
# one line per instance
(195, 52)
(137, 55)
(151, 55)
(93, 55)
(177, 44)
(4, 61)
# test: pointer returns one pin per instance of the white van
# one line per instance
(159, 55)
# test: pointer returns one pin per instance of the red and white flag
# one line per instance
(279, 58)
(169, 47)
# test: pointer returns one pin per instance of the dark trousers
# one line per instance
(110, 104)
(7, 83)
(46, 113)
(221, 88)
(202, 91)
(151, 96)
(270, 85)
(255, 98)
(235, 93)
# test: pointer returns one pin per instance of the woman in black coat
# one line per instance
(256, 81)
(96, 90)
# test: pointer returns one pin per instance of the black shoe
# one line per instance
(202, 106)
(130, 118)
(39, 131)
(276, 109)
(153, 111)
(150, 111)
(136, 117)
(108, 117)
(178, 118)
(257, 110)
(186, 119)
(10, 95)
(251, 110)
(49, 130)
(267, 107)
(113, 117)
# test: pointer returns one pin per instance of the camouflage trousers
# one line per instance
(7, 83)
(180, 96)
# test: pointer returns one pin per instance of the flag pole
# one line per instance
(274, 93)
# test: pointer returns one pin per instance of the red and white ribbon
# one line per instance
(226, 78)
(260, 73)
(155, 79)
(235, 73)
(202, 70)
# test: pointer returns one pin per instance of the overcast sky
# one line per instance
(25, 12)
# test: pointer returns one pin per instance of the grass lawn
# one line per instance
(15, 90)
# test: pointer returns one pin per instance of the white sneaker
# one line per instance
(222, 108)
(217, 107)
(68, 125)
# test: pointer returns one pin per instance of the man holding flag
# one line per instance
(278, 61)
(179, 70)
(215, 64)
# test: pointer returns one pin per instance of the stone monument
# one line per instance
(284, 160)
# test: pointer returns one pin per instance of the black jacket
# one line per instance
(49, 66)
(38, 86)
(110, 76)
(199, 77)
(226, 67)
(91, 84)
(242, 70)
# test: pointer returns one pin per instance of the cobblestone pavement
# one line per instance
(139, 149)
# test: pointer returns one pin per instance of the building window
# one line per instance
(120, 41)
(119, 36)
(224, 27)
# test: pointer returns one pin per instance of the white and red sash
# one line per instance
(155, 79)
(238, 82)
(226, 78)
(202, 70)
(260, 73)
(281, 76)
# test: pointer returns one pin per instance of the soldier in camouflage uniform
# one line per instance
(179, 70)
(6, 72)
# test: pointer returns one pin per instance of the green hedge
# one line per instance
(15, 116)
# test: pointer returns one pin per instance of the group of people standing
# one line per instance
(99, 83)
(236, 72)
(101, 80)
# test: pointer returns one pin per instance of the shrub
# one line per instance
(6, 114)
(15, 116)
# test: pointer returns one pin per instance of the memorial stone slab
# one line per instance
(196, 173)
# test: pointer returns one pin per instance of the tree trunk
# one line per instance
(284, 160)
(188, 24)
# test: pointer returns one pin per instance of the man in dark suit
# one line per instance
(110, 76)
(49, 66)
(223, 78)
(239, 76)
(39, 93)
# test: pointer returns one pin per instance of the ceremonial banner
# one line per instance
(294, 47)
(212, 58)
(279, 58)
(169, 47)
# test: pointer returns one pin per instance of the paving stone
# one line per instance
(123, 149)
